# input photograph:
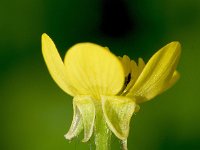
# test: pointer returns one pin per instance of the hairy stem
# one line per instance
(102, 132)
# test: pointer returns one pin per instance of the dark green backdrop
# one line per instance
(35, 113)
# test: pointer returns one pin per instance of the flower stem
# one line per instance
(102, 132)
(124, 145)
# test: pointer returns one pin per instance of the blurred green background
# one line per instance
(35, 113)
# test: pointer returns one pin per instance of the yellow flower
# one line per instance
(107, 90)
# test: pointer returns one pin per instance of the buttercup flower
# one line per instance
(107, 90)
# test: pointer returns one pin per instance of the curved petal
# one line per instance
(84, 116)
(87, 111)
(174, 79)
(125, 60)
(157, 73)
(134, 75)
(55, 64)
(77, 124)
(132, 70)
(93, 70)
(141, 65)
(118, 111)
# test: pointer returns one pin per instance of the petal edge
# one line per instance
(55, 64)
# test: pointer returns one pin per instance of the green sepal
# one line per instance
(87, 109)
(77, 124)
(84, 117)
(118, 111)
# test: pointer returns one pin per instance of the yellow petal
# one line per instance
(174, 79)
(136, 70)
(118, 111)
(157, 73)
(93, 70)
(126, 64)
(141, 65)
(55, 64)
(133, 76)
